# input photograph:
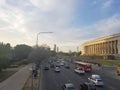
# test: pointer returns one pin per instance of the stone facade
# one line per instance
(107, 47)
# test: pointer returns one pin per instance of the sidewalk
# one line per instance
(16, 81)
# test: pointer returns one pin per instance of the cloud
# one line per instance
(21, 20)
(107, 26)
(110, 25)
(27, 18)
(107, 3)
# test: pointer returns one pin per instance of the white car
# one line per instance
(61, 63)
(57, 69)
(79, 71)
(96, 79)
(68, 86)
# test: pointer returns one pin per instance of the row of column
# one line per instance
(105, 48)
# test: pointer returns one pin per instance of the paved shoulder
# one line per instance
(16, 81)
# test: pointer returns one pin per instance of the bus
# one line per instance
(87, 67)
(118, 69)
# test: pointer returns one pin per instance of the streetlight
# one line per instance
(38, 35)
(37, 47)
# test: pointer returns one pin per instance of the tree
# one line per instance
(5, 55)
(22, 51)
(39, 54)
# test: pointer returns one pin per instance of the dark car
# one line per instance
(52, 65)
(67, 66)
(87, 86)
(46, 68)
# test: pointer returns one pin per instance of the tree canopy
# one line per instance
(5, 55)
(22, 51)
(40, 54)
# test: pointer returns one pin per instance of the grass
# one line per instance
(5, 74)
(107, 62)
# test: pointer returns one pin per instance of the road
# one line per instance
(54, 81)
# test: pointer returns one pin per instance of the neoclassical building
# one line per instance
(106, 47)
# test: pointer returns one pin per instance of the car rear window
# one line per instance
(71, 88)
(99, 80)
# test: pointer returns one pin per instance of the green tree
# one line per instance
(22, 51)
(5, 55)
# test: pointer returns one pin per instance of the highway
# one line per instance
(54, 81)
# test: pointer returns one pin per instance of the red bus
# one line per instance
(83, 65)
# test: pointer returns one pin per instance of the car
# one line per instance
(79, 71)
(57, 69)
(87, 86)
(57, 65)
(46, 68)
(62, 64)
(67, 66)
(68, 86)
(96, 79)
(52, 65)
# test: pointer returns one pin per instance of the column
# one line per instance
(88, 50)
(103, 48)
(109, 47)
(106, 46)
(114, 47)
(100, 48)
(94, 49)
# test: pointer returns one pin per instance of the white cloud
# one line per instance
(24, 24)
(107, 3)
(21, 20)
(109, 26)
(103, 27)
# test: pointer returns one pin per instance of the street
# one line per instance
(54, 81)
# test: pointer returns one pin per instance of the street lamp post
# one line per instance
(39, 34)
(37, 47)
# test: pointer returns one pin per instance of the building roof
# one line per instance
(102, 39)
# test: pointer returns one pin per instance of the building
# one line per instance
(55, 47)
(107, 47)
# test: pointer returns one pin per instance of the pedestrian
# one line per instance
(35, 73)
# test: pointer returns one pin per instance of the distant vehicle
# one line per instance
(68, 86)
(87, 86)
(61, 63)
(96, 79)
(79, 71)
(67, 66)
(118, 69)
(52, 65)
(46, 68)
(57, 69)
(57, 64)
(85, 66)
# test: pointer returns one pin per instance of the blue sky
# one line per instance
(72, 21)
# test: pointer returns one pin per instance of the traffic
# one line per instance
(75, 76)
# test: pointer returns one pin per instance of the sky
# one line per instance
(72, 22)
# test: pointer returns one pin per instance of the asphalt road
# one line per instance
(51, 80)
